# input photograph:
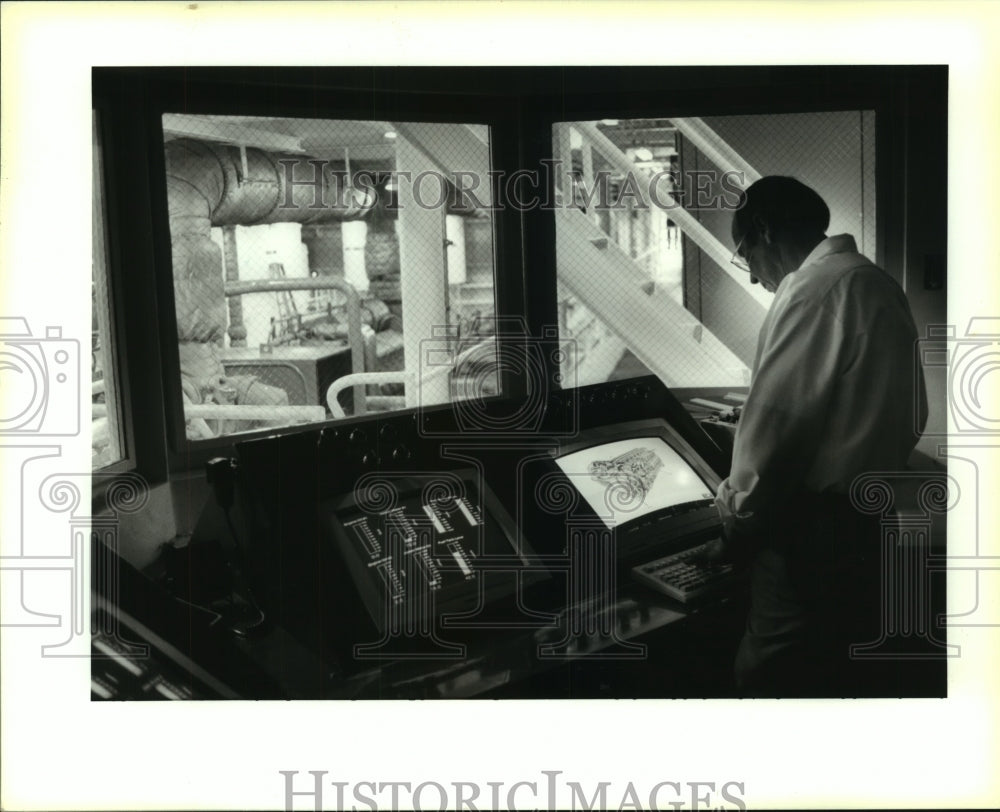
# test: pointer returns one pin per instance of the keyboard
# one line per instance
(683, 580)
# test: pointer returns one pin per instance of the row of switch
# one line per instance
(599, 395)
(370, 446)
(363, 443)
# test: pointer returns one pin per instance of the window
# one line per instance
(310, 253)
(645, 282)
(107, 443)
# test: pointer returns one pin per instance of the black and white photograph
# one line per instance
(645, 399)
(399, 358)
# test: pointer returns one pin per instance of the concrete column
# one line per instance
(423, 268)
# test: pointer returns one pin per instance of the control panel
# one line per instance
(355, 512)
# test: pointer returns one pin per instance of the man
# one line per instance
(832, 396)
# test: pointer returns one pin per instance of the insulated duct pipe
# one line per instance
(217, 185)
(248, 186)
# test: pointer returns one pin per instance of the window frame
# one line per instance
(893, 93)
(133, 313)
(115, 368)
(520, 105)
(355, 94)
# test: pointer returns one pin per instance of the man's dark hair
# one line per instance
(786, 205)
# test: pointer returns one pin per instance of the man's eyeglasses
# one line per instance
(738, 259)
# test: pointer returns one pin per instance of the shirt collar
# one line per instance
(838, 244)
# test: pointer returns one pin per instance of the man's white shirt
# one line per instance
(835, 385)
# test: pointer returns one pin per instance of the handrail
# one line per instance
(687, 223)
(226, 411)
(354, 334)
(678, 345)
(359, 380)
(362, 379)
(714, 147)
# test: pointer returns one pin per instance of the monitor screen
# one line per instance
(624, 480)
(423, 541)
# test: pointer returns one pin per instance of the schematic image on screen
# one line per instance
(427, 546)
(627, 479)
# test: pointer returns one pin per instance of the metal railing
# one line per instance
(412, 380)
(703, 137)
(609, 280)
(355, 336)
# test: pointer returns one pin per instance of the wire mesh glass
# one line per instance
(643, 234)
(300, 247)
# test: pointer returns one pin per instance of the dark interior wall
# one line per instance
(172, 510)
(725, 309)
(924, 102)
(833, 152)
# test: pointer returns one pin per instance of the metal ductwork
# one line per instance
(218, 185)
(248, 186)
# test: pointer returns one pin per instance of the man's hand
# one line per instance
(740, 537)
(715, 551)
(735, 545)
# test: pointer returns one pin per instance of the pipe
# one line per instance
(230, 256)
(215, 185)
(292, 414)
(270, 187)
(432, 376)
(206, 187)
(355, 336)
(360, 379)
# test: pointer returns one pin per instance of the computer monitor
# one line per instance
(643, 480)
(624, 480)
(421, 544)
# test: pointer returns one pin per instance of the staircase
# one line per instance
(661, 333)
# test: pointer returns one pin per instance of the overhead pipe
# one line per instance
(207, 186)
(217, 185)
(248, 186)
